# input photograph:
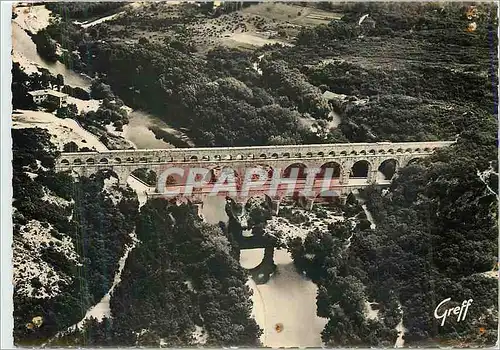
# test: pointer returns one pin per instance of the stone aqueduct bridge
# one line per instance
(346, 156)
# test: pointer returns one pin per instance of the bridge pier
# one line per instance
(275, 206)
(309, 203)
(343, 199)
(372, 176)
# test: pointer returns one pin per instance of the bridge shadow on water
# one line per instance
(262, 272)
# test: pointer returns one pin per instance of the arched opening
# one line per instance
(417, 150)
(343, 153)
(381, 151)
(321, 154)
(217, 157)
(228, 157)
(110, 177)
(353, 153)
(173, 181)
(144, 177)
(413, 161)
(251, 156)
(360, 169)
(274, 156)
(143, 160)
(309, 154)
(387, 169)
(239, 157)
(363, 152)
(90, 161)
(118, 160)
(331, 154)
(205, 158)
(103, 161)
(77, 161)
(330, 169)
(301, 171)
(400, 150)
(215, 174)
(129, 160)
(408, 150)
(65, 162)
(195, 158)
(263, 156)
(372, 151)
(286, 155)
(298, 155)
(391, 151)
(427, 149)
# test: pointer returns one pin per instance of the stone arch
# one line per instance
(298, 155)
(391, 151)
(400, 150)
(228, 157)
(110, 172)
(408, 150)
(90, 161)
(194, 158)
(217, 157)
(427, 149)
(343, 153)
(65, 161)
(353, 153)
(205, 158)
(321, 154)
(417, 150)
(301, 173)
(387, 169)
(263, 156)
(381, 151)
(129, 160)
(103, 161)
(145, 176)
(412, 161)
(118, 160)
(331, 154)
(214, 173)
(336, 170)
(360, 169)
(372, 151)
(77, 161)
(274, 156)
(286, 155)
(309, 155)
(362, 152)
(268, 168)
(239, 157)
(143, 160)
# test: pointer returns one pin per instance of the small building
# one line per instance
(51, 96)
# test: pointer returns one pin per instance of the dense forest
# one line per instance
(430, 73)
(76, 211)
(181, 276)
(436, 235)
(410, 72)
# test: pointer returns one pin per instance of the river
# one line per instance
(25, 53)
(288, 298)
